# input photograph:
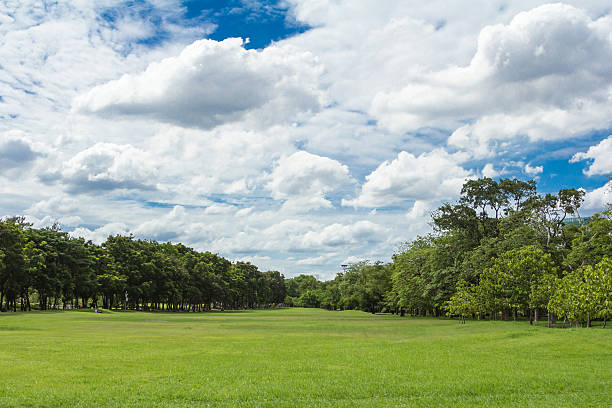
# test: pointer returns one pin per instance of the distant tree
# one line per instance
(275, 281)
(584, 293)
(464, 302)
(591, 242)
(13, 274)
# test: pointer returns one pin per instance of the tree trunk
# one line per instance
(588, 319)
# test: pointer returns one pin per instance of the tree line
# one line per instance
(46, 268)
(502, 251)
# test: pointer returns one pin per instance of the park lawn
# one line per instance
(296, 357)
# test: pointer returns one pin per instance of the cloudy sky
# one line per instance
(298, 134)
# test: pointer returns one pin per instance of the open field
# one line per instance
(295, 357)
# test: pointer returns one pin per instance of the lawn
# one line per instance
(296, 357)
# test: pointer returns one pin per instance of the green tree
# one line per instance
(464, 302)
(13, 275)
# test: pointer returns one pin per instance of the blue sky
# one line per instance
(295, 134)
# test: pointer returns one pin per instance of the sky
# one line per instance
(298, 135)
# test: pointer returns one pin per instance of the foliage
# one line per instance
(585, 293)
(55, 270)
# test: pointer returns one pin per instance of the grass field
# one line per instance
(296, 357)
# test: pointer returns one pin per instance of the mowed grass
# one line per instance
(296, 357)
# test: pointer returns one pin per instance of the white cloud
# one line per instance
(433, 175)
(99, 235)
(62, 204)
(217, 209)
(48, 221)
(537, 76)
(164, 228)
(495, 134)
(303, 179)
(601, 156)
(420, 211)
(533, 170)
(300, 236)
(244, 212)
(361, 232)
(226, 160)
(598, 198)
(16, 150)
(489, 171)
(272, 235)
(213, 82)
(107, 166)
(317, 260)
(52, 51)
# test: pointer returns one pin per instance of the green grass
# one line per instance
(296, 357)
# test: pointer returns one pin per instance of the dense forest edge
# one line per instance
(502, 251)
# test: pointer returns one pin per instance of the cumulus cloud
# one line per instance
(48, 221)
(536, 77)
(16, 151)
(281, 235)
(316, 260)
(429, 176)
(333, 235)
(99, 235)
(533, 170)
(301, 236)
(166, 227)
(210, 83)
(227, 160)
(489, 171)
(598, 198)
(62, 204)
(420, 210)
(108, 166)
(600, 157)
(303, 179)
(218, 209)
(53, 51)
(243, 212)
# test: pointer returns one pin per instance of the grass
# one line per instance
(296, 357)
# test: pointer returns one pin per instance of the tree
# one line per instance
(13, 273)
(513, 282)
(599, 278)
(275, 281)
(464, 302)
(551, 211)
(585, 293)
(592, 241)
